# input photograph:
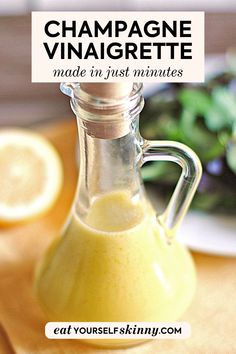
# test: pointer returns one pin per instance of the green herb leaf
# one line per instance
(216, 119)
(231, 156)
(198, 102)
(196, 136)
(207, 201)
(226, 101)
(166, 172)
(222, 113)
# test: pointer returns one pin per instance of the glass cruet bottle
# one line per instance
(116, 260)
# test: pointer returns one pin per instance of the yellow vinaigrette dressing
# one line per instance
(114, 261)
(117, 266)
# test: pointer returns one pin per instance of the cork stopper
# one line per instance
(108, 90)
(108, 129)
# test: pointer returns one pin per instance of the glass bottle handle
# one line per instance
(187, 184)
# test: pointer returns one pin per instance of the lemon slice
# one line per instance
(30, 175)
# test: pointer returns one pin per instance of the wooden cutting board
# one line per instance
(211, 315)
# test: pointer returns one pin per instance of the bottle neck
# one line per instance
(107, 118)
(108, 165)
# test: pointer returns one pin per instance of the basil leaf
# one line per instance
(231, 156)
(196, 136)
(222, 113)
(207, 201)
(216, 119)
(166, 172)
(195, 101)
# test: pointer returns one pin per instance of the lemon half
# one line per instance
(31, 175)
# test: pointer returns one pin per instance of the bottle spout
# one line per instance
(68, 88)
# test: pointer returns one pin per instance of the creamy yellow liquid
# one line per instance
(115, 266)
